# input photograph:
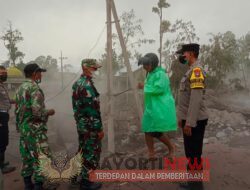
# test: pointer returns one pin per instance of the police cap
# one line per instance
(189, 47)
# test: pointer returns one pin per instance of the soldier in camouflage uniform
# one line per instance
(31, 118)
(86, 107)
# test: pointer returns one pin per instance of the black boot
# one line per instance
(88, 185)
(38, 186)
(28, 185)
(5, 168)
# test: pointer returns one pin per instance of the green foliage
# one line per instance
(21, 66)
(220, 57)
(133, 38)
(164, 24)
(184, 32)
(163, 4)
(49, 63)
(160, 5)
(132, 33)
(11, 37)
(115, 63)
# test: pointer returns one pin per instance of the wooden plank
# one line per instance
(111, 136)
(126, 61)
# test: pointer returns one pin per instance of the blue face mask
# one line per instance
(183, 60)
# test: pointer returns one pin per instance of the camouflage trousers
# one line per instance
(30, 147)
(90, 146)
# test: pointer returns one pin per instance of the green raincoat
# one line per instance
(159, 112)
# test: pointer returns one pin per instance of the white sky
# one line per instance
(73, 26)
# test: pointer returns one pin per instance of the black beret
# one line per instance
(189, 47)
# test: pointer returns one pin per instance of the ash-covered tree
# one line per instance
(21, 66)
(11, 37)
(220, 56)
(103, 61)
(182, 32)
(133, 37)
(49, 63)
(164, 24)
(243, 58)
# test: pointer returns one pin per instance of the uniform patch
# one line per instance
(197, 79)
(197, 72)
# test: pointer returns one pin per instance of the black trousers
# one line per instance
(193, 144)
(4, 131)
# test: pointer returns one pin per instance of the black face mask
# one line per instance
(183, 60)
(3, 78)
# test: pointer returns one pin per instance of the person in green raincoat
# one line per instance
(159, 106)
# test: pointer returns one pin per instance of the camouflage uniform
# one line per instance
(86, 107)
(31, 118)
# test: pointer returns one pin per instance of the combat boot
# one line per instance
(28, 185)
(89, 185)
(4, 166)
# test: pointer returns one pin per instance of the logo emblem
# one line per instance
(197, 72)
(60, 169)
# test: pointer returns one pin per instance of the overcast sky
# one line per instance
(73, 26)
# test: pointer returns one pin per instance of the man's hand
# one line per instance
(187, 130)
(140, 85)
(51, 112)
(100, 135)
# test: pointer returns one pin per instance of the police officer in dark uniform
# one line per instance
(5, 104)
(191, 112)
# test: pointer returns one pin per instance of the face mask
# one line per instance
(183, 60)
(3, 78)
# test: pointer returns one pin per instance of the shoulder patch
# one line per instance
(197, 78)
(197, 72)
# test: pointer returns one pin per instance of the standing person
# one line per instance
(192, 112)
(159, 105)
(31, 118)
(86, 107)
(5, 105)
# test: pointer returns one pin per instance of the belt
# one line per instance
(4, 110)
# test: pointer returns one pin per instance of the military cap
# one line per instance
(90, 63)
(32, 68)
(189, 47)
